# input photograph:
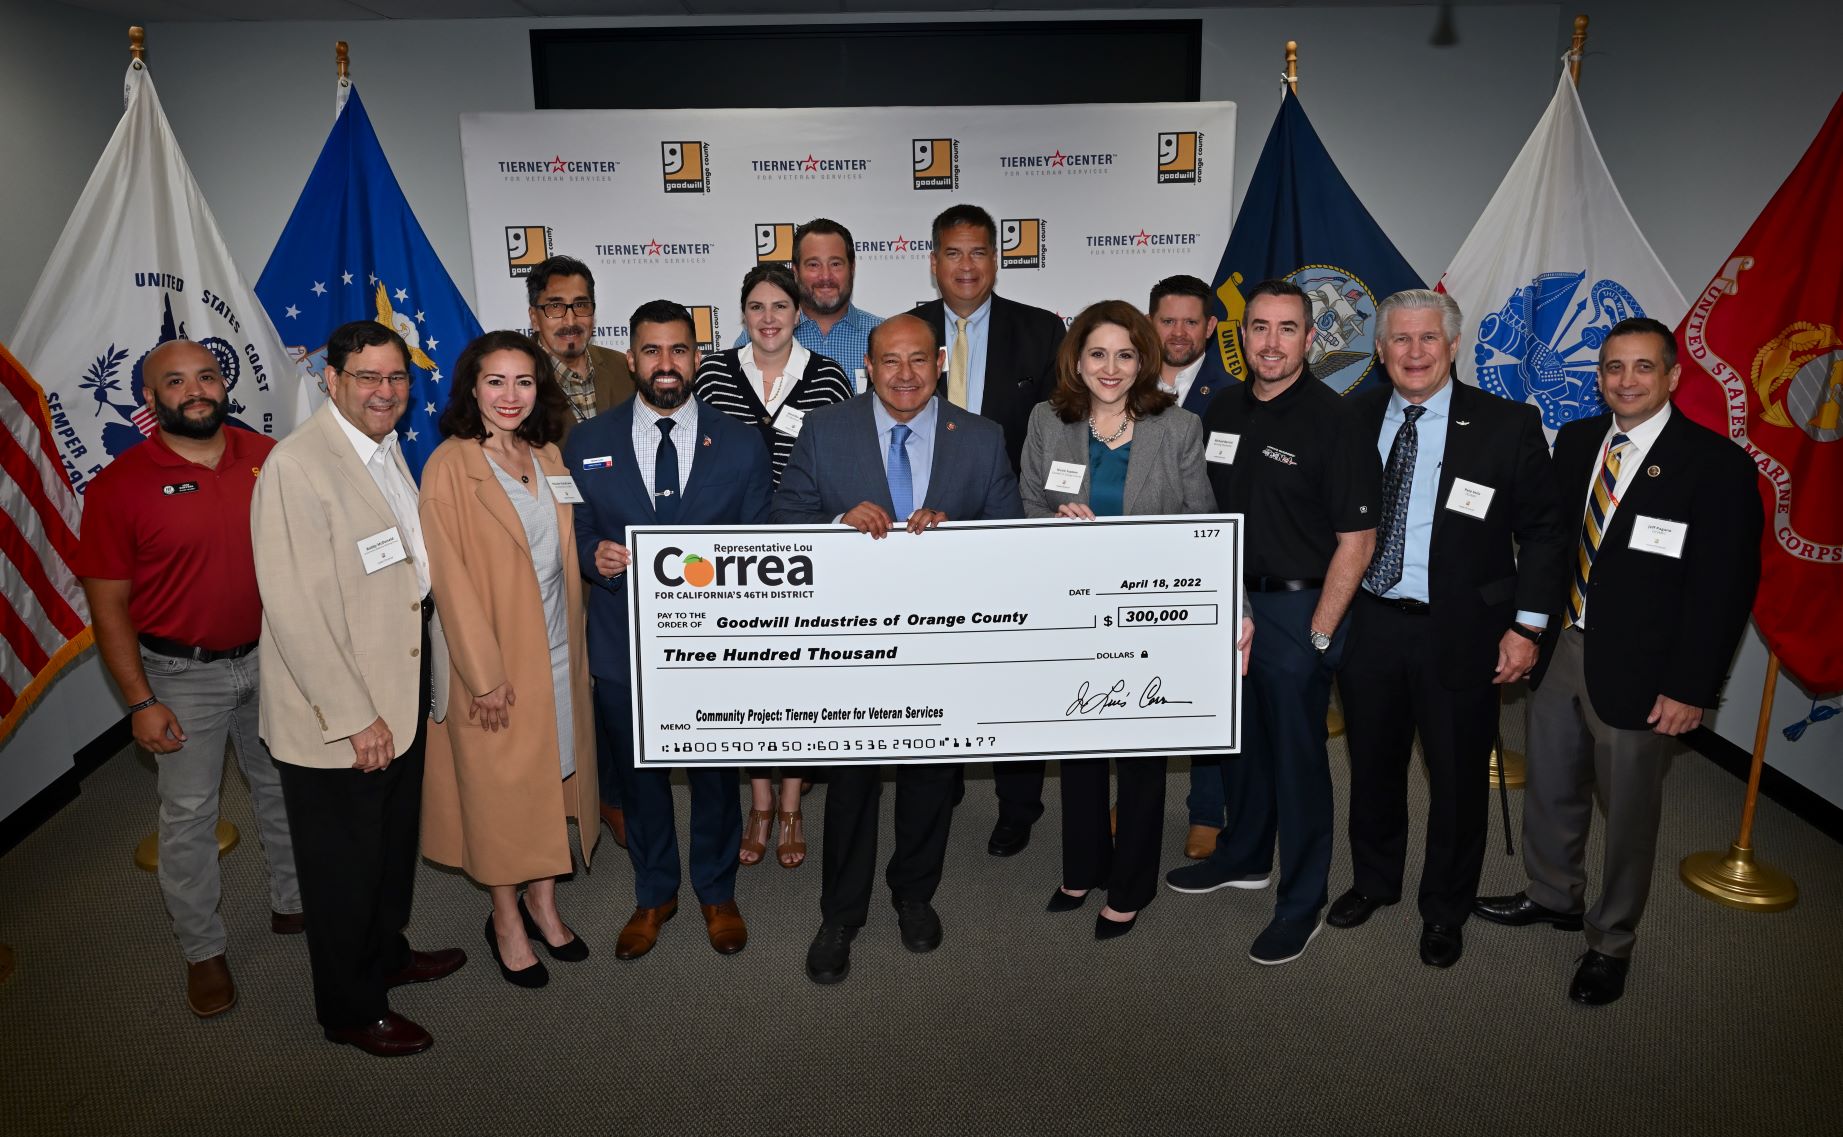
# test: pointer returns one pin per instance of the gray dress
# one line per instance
(537, 512)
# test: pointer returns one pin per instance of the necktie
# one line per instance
(1593, 526)
(957, 365)
(1397, 482)
(901, 478)
(665, 476)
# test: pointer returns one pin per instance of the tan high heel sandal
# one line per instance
(755, 833)
(792, 849)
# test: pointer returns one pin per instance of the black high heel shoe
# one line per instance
(1105, 929)
(530, 978)
(1060, 901)
(575, 951)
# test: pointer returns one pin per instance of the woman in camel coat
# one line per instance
(502, 558)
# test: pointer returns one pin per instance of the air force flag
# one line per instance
(352, 250)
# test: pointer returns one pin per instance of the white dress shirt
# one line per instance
(1640, 439)
(796, 367)
(1184, 379)
(384, 462)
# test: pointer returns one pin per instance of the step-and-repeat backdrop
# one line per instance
(1092, 202)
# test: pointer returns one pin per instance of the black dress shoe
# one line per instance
(1441, 945)
(575, 951)
(1520, 911)
(919, 925)
(1352, 908)
(1060, 901)
(1007, 840)
(530, 978)
(828, 960)
(1105, 929)
(1600, 979)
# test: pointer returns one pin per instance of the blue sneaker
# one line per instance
(1207, 876)
(1284, 940)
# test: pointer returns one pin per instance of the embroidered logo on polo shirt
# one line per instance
(1281, 456)
(178, 488)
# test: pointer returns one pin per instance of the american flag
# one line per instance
(44, 622)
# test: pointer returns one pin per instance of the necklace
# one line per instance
(1125, 421)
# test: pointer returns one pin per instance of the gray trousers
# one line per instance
(214, 702)
(1574, 757)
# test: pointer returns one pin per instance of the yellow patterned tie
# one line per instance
(957, 366)
(1593, 526)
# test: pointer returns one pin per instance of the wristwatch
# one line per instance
(1531, 634)
(1320, 640)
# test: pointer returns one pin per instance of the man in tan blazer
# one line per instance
(353, 666)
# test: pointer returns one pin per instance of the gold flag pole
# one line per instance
(1736, 879)
(1577, 48)
(1507, 765)
(1292, 66)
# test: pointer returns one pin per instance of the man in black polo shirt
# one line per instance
(1284, 452)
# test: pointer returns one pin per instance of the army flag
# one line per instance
(353, 250)
(141, 262)
(1762, 356)
(1301, 221)
(1554, 261)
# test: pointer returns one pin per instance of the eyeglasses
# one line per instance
(555, 308)
(370, 380)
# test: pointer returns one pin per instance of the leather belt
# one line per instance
(176, 650)
(1403, 604)
(1279, 584)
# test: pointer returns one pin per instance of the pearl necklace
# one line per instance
(1125, 421)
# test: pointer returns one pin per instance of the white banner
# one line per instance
(977, 641)
(1093, 202)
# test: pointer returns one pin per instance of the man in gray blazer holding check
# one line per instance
(895, 458)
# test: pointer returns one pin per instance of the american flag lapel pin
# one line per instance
(707, 440)
(950, 426)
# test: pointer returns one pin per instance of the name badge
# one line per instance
(1222, 447)
(1657, 535)
(179, 487)
(1065, 477)
(789, 421)
(563, 488)
(1470, 498)
(601, 463)
(381, 550)
(858, 375)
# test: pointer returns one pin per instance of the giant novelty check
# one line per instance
(977, 641)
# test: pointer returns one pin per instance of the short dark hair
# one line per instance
(461, 418)
(1644, 325)
(1145, 397)
(663, 312)
(1279, 287)
(773, 273)
(964, 214)
(539, 281)
(825, 226)
(870, 341)
(348, 339)
(1180, 285)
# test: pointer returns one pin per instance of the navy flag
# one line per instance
(1301, 222)
(352, 250)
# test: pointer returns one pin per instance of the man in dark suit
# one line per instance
(1657, 595)
(662, 458)
(1469, 552)
(895, 458)
(1001, 362)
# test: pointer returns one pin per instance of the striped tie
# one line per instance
(1593, 526)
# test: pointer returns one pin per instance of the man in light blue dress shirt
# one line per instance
(825, 268)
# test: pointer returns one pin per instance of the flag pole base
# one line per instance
(1737, 880)
(1508, 766)
(147, 853)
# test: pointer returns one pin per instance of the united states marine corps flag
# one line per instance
(1301, 221)
(1762, 354)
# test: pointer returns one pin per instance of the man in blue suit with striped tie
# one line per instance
(661, 458)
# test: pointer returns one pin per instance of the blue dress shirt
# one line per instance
(920, 444)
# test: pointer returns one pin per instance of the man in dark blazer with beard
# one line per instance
(1000, 363)
(1469, 552)
(1656, 593)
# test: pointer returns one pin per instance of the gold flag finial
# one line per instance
(1292, 65)
(1577, 48)
(137, 44)
(342, 58)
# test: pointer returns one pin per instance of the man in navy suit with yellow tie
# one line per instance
(661, 458)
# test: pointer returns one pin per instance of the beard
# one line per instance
(664, 400)
(813, 304)
(174, 420)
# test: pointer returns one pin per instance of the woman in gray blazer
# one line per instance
(1110, 443)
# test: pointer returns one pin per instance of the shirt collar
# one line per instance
(796, 361)
(853, 317)
(1284, 398)
(1438, 406)
(564, 370)
(921, 426)
(1187, 375)
(164, 455)
(685, 415)
(361, 442)
(976, 320)
(1645, 433)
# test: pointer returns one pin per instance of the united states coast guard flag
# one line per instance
(1554, 262)
(141, 262)
(352, 250)
(1302, 222)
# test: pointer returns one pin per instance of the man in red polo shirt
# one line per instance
(165, 560)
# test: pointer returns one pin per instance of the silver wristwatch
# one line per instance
(1320, 640)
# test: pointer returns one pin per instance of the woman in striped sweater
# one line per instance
(771, 382)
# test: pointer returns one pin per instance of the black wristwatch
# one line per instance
(1530, 634)
(144, 704)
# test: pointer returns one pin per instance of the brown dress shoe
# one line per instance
(642, 930)
(1200, 842)
(617, 823)
(209, 990)
(728, 934)
(390, 1037)
(287, 923)
(425, 966)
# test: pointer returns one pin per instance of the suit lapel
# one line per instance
(946, 449)
(626, 466)
(1148, 437)
(1462, 444)
(493, 497)
(704, 460)
(345, 459)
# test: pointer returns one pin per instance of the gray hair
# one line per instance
(1421, 300)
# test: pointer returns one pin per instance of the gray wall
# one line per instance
(1697, 117)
